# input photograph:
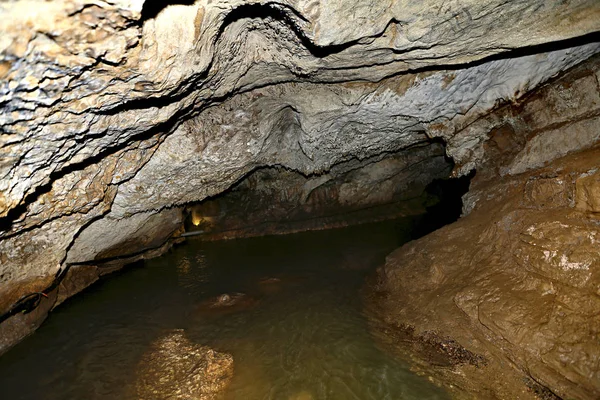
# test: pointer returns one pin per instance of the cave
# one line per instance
(300, 200)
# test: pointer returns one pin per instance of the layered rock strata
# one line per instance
(505, 301)
(115, 114)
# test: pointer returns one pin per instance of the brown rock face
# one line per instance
(175, 368)
(587, 192)
(516, 282)
(504, 303)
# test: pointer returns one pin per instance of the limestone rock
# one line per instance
(557, 119)
(175, 368)
(108, 238)
(587, 192)
(81, 79)
(515, 282)
(112, 112)
(556, 143)
(513, 285)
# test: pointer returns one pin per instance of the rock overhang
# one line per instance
(106, 117)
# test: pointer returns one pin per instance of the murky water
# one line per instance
(300, 335)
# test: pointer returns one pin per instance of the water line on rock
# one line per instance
(25, 304)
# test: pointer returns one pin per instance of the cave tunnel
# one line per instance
(299, 200)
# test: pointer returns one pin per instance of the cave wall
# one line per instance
(113, 119)
(511, 289)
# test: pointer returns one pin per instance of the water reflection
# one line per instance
(295, 332)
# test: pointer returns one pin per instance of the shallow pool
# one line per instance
(299, 333)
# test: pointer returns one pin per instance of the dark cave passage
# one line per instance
(447, 194)
(286, 308)
(276, 200)
(244, 212)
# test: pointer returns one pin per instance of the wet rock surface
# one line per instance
(124, 242)
(504, 302)
(175, 368)
(23, 323)
(114, 117)
(514, 283)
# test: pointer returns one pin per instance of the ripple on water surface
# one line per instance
(292, 323)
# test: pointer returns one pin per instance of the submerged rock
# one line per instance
(269, 281)
(303, 395)
(175, 368)
(270, 286)
(225, 303)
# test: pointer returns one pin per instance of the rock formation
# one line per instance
(117, 114)
(509, 294)
(175, 368)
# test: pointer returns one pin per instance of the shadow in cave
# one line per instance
(252, 207)
(447, 209)
(151, 8)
